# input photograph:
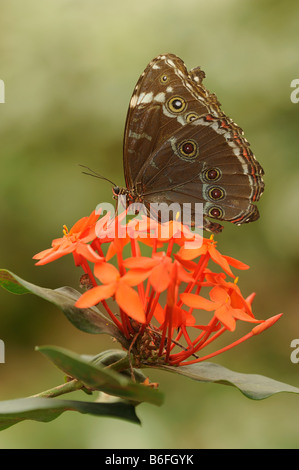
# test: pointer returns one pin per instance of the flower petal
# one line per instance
(235, 263)
(43, 254)
(56, 255)
(159, 314)
(241, 315)
(129, 301)
(220, 260)
(196, 301)
(183, 275)
(218, 294)
(135, 276)
(79, 225)
(225, 318)
(95, 295)
(106, 272)
(160, 277)
(141, 262)
(88, 253)
(116, 246)
(250, 298)
(190, 253)
(191, 265)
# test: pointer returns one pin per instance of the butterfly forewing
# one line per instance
(155, 114)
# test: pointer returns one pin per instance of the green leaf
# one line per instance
(115, 357)
(252, 386)
(10, 283)
(108, 357)
(89, 320)
(97, 377)
(47, 409)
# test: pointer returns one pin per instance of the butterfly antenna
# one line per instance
(95, 174)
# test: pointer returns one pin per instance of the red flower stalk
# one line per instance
(160, 308)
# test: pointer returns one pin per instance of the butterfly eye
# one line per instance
(164, 78)
(191, 117)
(116, 190)
(216, 193)
(176, 104)
(215, 212)
(213, 174)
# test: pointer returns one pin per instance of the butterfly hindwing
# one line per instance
(201, 164)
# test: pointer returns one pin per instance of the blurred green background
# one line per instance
(69, 68)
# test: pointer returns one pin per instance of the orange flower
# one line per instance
(114, 285)
(226, 310)
(153, 233)
(158, 269)
(111, 230)
(74, 241)
(137, 284)
(218, 279)
(209, 246)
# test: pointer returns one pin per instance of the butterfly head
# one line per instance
(116, 191)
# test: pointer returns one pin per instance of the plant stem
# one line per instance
(67, 387)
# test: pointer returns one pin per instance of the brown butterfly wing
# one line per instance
(180, 147)
(203, 163)
(151, 120)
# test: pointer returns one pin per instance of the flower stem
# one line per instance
(220, 351)
(197, 274)
(67, 387)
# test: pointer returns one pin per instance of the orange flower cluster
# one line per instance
(161, 311)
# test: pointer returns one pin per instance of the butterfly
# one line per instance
(179, 147)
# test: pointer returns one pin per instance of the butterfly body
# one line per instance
(179, 147)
